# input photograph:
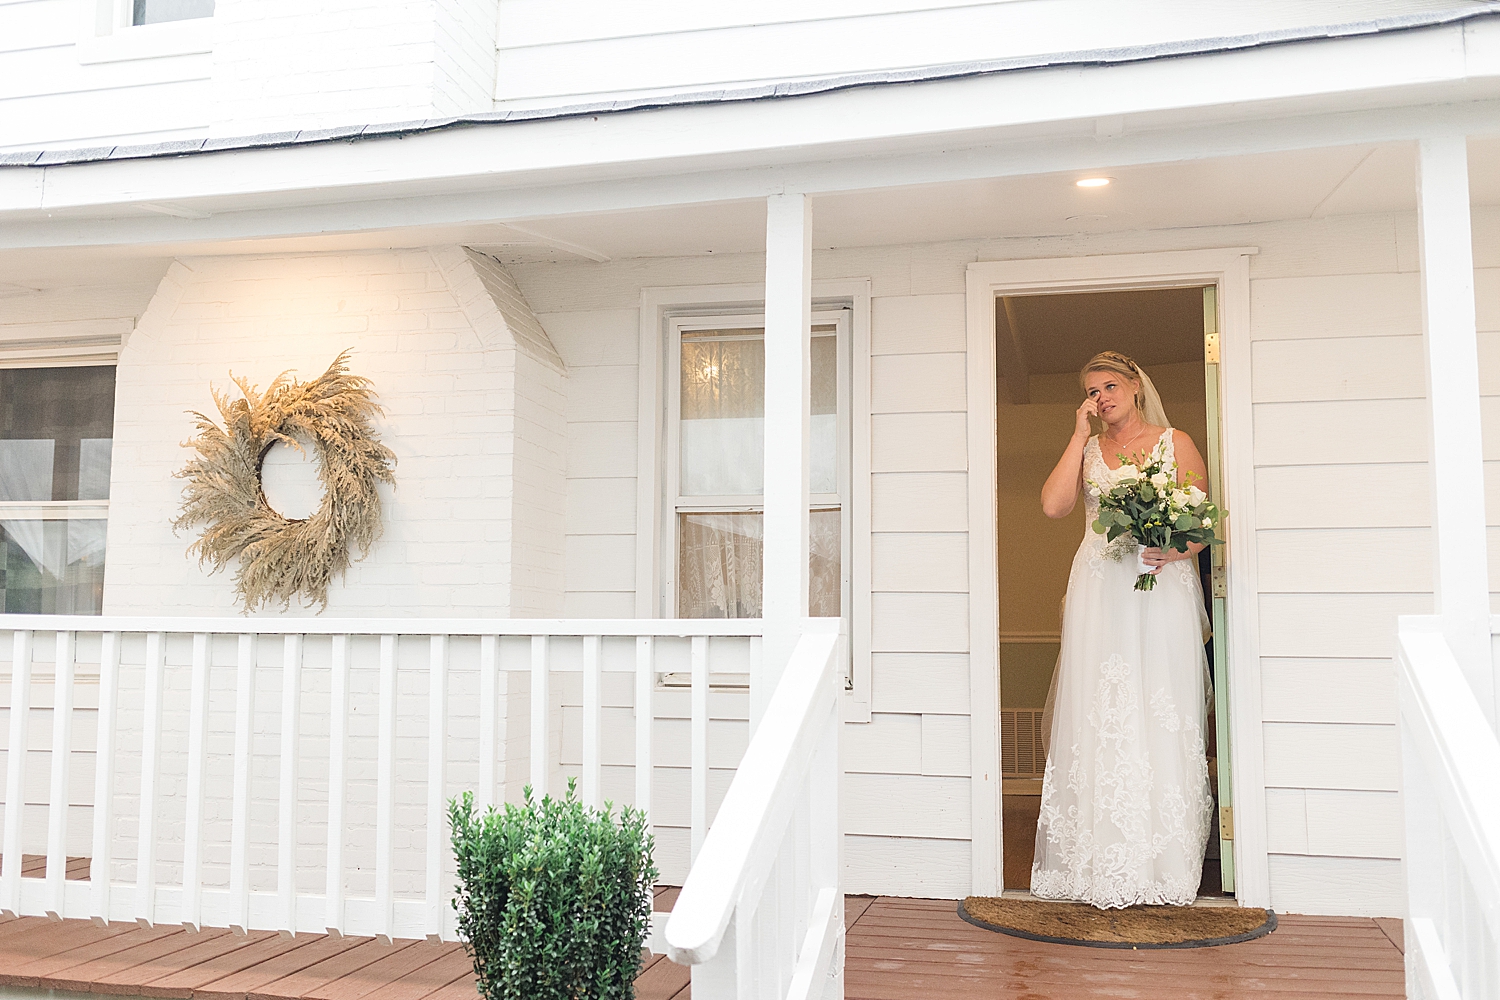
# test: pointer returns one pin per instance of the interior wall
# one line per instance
(1035, 551)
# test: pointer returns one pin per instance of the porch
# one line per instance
(897, 949)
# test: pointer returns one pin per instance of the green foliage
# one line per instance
(554, 898)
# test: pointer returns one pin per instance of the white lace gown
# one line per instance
(1126, 806)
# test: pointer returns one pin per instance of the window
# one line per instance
(716, 466)
(56, 430)
(157, 11)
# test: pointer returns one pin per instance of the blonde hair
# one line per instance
(1115, 363)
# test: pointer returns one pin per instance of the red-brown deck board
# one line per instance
(897, 949)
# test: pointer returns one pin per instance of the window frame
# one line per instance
(66, 510)
(107, 33)
(675, 504)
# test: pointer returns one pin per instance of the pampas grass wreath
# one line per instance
(280, 558)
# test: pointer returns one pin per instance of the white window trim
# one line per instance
(106, 35)
(658, 307)
(1229, 269)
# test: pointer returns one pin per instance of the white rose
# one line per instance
(1195, 496)
(1160, 479)
(1126, 471)
(1180, 498)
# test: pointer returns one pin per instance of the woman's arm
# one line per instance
(1189, 460)
(1060, 491)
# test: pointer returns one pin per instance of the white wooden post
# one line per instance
(286, 837)
(145, 864)
(788, 365)
(645, 717)
(191, 912)
(104, 775)
(244, 765)
(385, 795)
(593, 721)
(1460, 577)
(437, 759)
(540, 706)
(698, 740)
(57, 800)
(338, 715)
(15, 772)
(489, 726)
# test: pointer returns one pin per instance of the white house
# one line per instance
(593, 257)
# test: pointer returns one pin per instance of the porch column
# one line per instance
(1460, 573)
(788, 362)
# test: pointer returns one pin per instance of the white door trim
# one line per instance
(1229, 269)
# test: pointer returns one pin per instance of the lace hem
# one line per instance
(1112, 894)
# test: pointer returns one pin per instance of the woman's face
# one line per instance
(1114, 394)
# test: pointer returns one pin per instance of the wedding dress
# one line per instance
(1126, 806)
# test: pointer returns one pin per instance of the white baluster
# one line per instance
(244, 759)
(539, 712)
(437, 719)
(338, 715)
(104, 772)
(645, 712)
(489, 743)
(15, 773)
(699, 728)
(145, 854)
(57, 800)
(286, 838)
(593, 721)
(385, 793)
(192, 852)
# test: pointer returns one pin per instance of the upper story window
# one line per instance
(157, 11)
(717, 466)
(56, 432)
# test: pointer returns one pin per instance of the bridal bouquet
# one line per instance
(1147, 503)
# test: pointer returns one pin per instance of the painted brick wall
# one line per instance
(281, 65)
(458, 541)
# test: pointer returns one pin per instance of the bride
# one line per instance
(1126, 805)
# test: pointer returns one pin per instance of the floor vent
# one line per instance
(1023, 746)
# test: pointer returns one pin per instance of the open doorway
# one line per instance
(1042, 341)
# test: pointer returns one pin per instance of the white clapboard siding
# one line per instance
(929, 806)
(917, 324)
(1337, 368)
(1361, 887)
(1335, 305)
(887, 744)
(945, 745)
(600, 507)
(601, 449)
(1327, 690)
(1341, 433)
(670, 742)
(913, 562)
(917, 383)
(1319, 755)
(907, 866)
(1344, 560)
(1361, 824)
(1350, 496)
(918, 442)
(919, 682)
(599, 562)
(1334, 624)
(1487, 306)
(592, 337)
(919, 501)
(602, 393)
(903, 623)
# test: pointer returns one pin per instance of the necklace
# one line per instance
(1122, 445)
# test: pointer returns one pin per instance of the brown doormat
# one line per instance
(1132, 927)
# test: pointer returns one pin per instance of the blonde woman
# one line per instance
(1126, 806)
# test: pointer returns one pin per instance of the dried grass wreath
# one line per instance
(280, 558)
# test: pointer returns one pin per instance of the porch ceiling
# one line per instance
(1207, 192)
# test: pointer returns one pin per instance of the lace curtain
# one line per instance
(721, 565)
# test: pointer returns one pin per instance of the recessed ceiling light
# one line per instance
(1093, 182)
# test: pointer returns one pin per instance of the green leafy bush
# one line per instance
(554, 898)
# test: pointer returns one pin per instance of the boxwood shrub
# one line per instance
(553, 898)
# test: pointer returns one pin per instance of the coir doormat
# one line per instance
(1132, 927)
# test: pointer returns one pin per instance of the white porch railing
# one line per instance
(324, 807)
(762, 912)
(1451, 788)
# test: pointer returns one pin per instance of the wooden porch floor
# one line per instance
(898, 949)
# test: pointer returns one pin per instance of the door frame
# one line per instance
(1229, 270)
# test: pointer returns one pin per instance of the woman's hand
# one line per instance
(1160, 557)
(1081, 426)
